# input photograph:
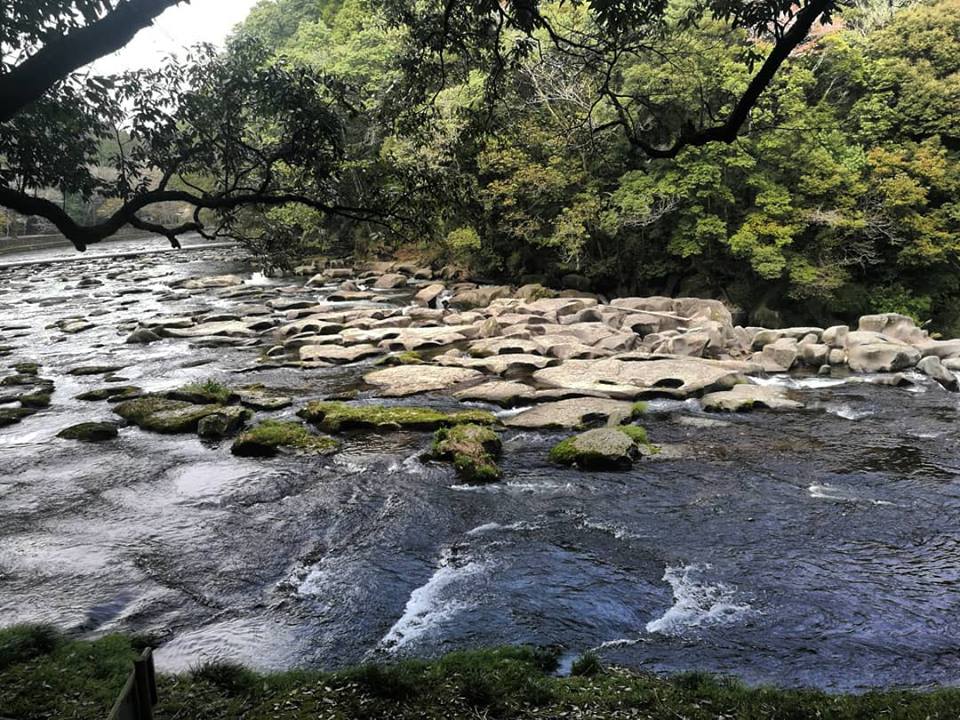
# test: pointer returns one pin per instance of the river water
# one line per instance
(818, 547)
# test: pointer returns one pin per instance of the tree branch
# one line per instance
(61, 56)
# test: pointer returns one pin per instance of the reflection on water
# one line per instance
(817, 547)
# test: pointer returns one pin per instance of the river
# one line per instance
(818, 547)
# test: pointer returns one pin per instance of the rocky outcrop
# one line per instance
(933, 368)
(574, 413)
(748, 397)
(271, 437)
(473, 450)
(414, 379)
(90, 432)
(885, 357)
(338, 416)
(609, 448)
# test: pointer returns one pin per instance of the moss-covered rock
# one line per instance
(472, 449)
(37, 399)
(207, 392)
(88, 370)
(607, 448)
(270, 436)
(113, 394)
(11, 416)
(336, 416)
(225, 422)
(90, 432)
(409, 357)
(23, 379)
(27, 368)
(163, 415)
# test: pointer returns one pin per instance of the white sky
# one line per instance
(179, 27)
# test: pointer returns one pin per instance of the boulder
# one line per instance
(413, 379)
(270, 437)
(339, 416)
(498, 392)
(427, 337)
(390, 281)
(227, 328)
(473, 450)
(814, 354)
(608, 448)
(430, 295)
(933, 368)
(258, 397)
(633, 376)
(11, 416)
(836, 336)
(336, 354)
(162, 415)
(780, 355)
(512, 365)
(893, 325)
(225, 422)
(479, 297)
(142, 336)
(748, 397)
(90, 432)
(207, 283)
(574, 413)
(881, 357)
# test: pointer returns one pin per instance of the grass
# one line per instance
(472, 449)
(267, 439)
(45, 675)
(205, 392)
(337, 416)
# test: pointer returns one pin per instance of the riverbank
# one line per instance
(43, 675)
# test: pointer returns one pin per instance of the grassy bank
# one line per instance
(44, 675)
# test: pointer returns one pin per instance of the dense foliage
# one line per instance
(839, 198)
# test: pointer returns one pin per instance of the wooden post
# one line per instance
(145, 683)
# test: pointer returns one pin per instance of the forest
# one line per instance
(839, 198)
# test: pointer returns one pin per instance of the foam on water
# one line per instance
(845, 411)
(808, 383)
(697, 603)
(434, 602)
(492, 527)
(825, 491)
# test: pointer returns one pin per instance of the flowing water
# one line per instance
(819, 547)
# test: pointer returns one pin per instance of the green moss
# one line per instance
(408, 357)
(95, 370)
(207, 392)
(89, 432)
(336, 416)
(572, 451)
(267, 438)
(111, 393)
(163, 415)
(587, 665)
(27, 368)
(39, 399)
(638, 409)
(472, 449)
(11, 416)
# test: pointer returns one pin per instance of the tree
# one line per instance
(223, 133)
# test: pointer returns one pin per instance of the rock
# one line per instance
(509, 366)
(25, 380)
(609, 448)
(271, 436)
(390, 281)
(11, 416)
(123, 392)
(206, 392)
(747, 397)
(38, 400)
(780, 355)
(836, 336)
(814, 354)
(338, 355)
(206, 283)
(472, 449)
(87, 370)
(227, 328)
(162, 415)
(893, 325)
(837, 357)
(933, 368)
(337, 416)
(498, 392)
(90, 432)
(512, 345)
(881, 357)
(629, 376)
(409, 357)
(942, 349)
(534, 291)
(573, 413)
(427, 337)
(430, 295)
(479, 297)
(223, 423)
(142, 336)
(350, 296)
(72, 327)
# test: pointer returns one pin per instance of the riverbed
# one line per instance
(816, 547)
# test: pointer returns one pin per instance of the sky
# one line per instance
(179, 27)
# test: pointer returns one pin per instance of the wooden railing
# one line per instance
(139, 693)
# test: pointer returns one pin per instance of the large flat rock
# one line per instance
(573, 413)
(413, 379)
